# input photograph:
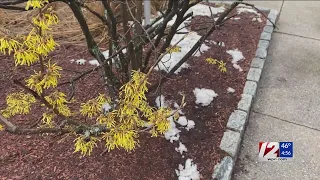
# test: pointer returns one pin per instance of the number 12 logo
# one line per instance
(269, 149)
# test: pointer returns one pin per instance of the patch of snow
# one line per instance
(190, 125)
(236, 66)
(204, 96)
(231, 90)
(182, 148)
(183, 121)
(168, 61)
(236, 18)
(160, 101)
(106, 107)
(72, 60)
(236, 55)
(254, 19)
(259, 20)
(94, 62)
(172, 134)
(176, 105)
(247, 10)
(81, 61)
(188, 172)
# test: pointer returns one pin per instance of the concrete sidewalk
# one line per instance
(287, 106)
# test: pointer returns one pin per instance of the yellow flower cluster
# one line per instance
(37, 44)
(58, 101)
(36, 3)
(18, 103)
(40, 81)
(123, 123)
(93, 107)
(1, 128)
(47, 119)
(9, 45)
(85, 144)
(173, 49)
(221, 64)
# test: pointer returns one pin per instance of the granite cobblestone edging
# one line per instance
(233, 136)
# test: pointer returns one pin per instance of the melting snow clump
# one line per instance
(204, 96)
(81, 61)
(173, 133)
(247, 10)
(189, 172)
(94, 62)
(236, 56)
(182, 148)
(231, 90)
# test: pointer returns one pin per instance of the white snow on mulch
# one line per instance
(190, 125)
(81, 61)
(160, 101)
(236, 56)
(247, 10)
(95, 62)
(257, 19)
(235, 18)
(182, 148)
(204, 96)
(188, 172)
(186, 42)
(170, 60)
(173, 133)
(231, 90)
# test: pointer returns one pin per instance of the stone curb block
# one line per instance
(273, 14)
(245, 103)
(254, 74)
(250, 88)
(268, 29)
(232, 138)
(223, 170)
(265, 36)
(263, 44)
(257, 63)
(261, 53)
(237, 121)
(230, 143)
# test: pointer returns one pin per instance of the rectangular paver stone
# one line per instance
(230, 143)
(250, 88)
(268, 29)
(265, 36)
(254, 74)
(261, 53)
(223, 170)
(273, 15)
(257, 63)
(264, 44)
(237, 121)
(245, 103)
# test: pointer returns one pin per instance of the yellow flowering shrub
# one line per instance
(221, 64)
(119, 127)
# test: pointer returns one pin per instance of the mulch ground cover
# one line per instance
(51, 157)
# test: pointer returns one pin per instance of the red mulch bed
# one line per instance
(52, 157)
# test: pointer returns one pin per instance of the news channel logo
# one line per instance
(275, 151)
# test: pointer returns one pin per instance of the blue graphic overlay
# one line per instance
(286, 149)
